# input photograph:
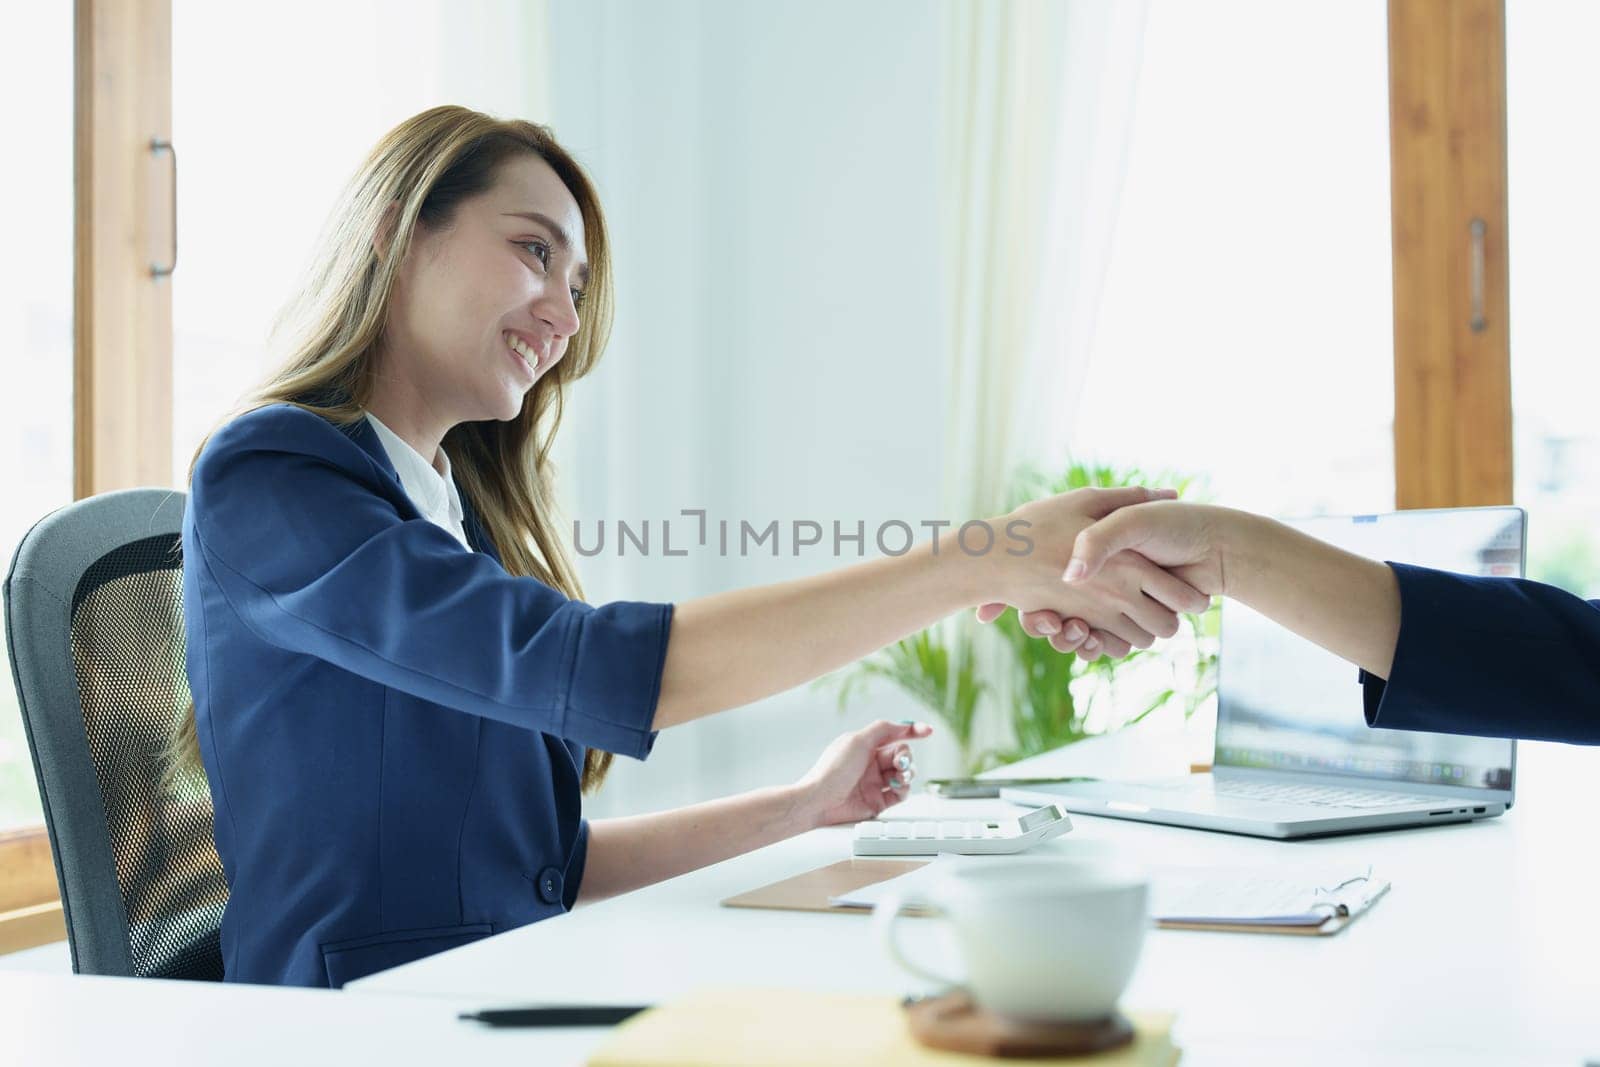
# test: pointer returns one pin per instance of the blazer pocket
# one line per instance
(347, 960)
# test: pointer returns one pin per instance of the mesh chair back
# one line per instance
(94, 624)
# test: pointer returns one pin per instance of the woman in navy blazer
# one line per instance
(399, 694)
(1443, 652)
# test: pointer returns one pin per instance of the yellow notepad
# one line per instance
(789, 1028)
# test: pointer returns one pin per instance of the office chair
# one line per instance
(94, 626)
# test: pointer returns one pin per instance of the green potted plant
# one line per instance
(967, 674)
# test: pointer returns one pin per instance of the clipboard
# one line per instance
(811, 891)
(1343, 912)
(1331, 925)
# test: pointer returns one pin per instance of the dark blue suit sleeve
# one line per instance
(1495, 657)
(314, 558)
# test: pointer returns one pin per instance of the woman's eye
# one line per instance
(540, 250)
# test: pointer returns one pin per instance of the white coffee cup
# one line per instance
(1043, 939)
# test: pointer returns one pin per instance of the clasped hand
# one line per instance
(1125, 601)
(1143, 558)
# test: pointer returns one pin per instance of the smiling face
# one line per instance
(486, 304)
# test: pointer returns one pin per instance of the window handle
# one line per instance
(1477, 228)
(157, 146)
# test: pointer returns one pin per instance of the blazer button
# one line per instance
(550, 885)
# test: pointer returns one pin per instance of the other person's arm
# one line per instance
(1348, 604)
(1442, 652)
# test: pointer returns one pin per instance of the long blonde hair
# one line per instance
(427, 166)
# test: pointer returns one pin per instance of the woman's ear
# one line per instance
(380, 240)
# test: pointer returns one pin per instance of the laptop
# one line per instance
(1294, 756)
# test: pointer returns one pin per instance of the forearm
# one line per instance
(1343, 602)
(737, 647)
(640, 850)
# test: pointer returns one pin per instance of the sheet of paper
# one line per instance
(1292, 896)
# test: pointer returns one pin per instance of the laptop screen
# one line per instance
(1284, 703)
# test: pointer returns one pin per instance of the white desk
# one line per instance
(58, 1020)
(1481, 953)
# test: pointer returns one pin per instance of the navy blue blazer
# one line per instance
(393, 727)
(1496, 657)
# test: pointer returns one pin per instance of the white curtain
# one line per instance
(1039, 101)
(779, 348)
(776, 354)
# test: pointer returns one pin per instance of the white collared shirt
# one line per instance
(430, 487)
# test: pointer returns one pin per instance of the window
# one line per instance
(36, 310)
(1555, 226)
(1246, 328)
(264, 159)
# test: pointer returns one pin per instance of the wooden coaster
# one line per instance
(956, 1023)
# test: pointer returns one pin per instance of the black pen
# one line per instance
(570, 1015)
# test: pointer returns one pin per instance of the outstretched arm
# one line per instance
(734, 648)
(1348, 604)
(1497, 657)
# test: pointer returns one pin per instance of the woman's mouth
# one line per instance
(523, 354)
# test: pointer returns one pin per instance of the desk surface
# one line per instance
(51, 1019)
(1485, 946)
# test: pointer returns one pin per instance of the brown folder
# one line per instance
(810, 891)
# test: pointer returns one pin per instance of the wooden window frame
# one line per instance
(1452, 361)
(30, 907)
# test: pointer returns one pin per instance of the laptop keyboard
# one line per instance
(1322, 796)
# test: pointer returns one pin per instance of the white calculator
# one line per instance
(965, 837)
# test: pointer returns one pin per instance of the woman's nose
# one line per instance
(558, 310)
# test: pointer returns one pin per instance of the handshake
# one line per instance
(1112, 568)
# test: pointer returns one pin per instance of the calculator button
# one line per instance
(994, 831)
(899, 831)
(954, 831)
(975, 829)
(872, 830)
(927, 829)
